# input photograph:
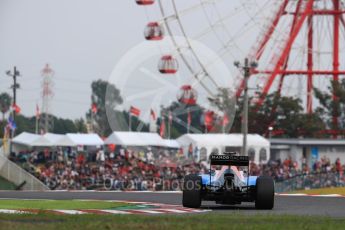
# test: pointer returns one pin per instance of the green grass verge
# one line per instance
(323, 191)
(166, 222)
(59, 204)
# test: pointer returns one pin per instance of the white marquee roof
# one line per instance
(135, 139)
(54, 138)
(31, 139)
(51, 139)
(88, 139)
(171, 143)
(222, 140)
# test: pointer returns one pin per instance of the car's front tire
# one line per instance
(191, 196)
(264, 193)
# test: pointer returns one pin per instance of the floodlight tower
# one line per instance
(46, 122)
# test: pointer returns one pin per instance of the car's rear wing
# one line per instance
(229, 160)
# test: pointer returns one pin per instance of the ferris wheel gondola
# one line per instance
(168, 65)
(145, 2)
(187, 95)
(154, 31)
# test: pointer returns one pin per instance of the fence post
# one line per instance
(303, 181)
(320, 178)
(8, 172)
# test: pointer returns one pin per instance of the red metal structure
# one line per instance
(154, 31)
(187, 95)
(305, 13)
(145, 2)
(168, 65)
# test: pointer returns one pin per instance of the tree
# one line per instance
(105, 96)
(5, 104)
(224, 101)
(284, 114)
(328, 107)
(179, 113)
(80, 125)
(63, 126)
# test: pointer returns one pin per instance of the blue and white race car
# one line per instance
(228, 185)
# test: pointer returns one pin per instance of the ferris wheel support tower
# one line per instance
(304, 12)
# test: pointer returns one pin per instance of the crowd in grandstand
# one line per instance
(126, 169)
(147, 169)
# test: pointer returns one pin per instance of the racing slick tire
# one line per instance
(191, 196)
(264, 193)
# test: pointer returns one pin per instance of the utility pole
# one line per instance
(247, 69)
(14, 87)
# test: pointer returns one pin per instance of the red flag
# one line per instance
(94, 108)
(153, 115)
(208, 120)
(134, 111)
(37, 111)
(225, 120)
(189, 118)
(162, 129)
(16, 108)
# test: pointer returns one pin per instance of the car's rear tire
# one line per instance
(264, 193)
(191, 196)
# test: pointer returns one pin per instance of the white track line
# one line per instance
(114, 211)
(73, 212)
(309, 195)
(171, 210)
(9, 211)
(149, 211)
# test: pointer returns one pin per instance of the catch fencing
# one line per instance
(310, 181)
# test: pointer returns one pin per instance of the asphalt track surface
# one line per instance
(293, 205)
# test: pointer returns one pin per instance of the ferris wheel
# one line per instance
(298, 44)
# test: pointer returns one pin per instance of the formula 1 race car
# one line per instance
(228, 185)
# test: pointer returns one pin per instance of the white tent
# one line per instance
(51, 139)
(74, 139)
(86, 139)
(135, 139)
(30, 139)
(205, 144)
(171, 144)
(54, 138)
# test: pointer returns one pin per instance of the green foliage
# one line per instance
(80, 125)
(106, 97)
(136, 123)
(330, 106)
(284, 114)
(179, 113)
(61, 126)
(225, 101)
